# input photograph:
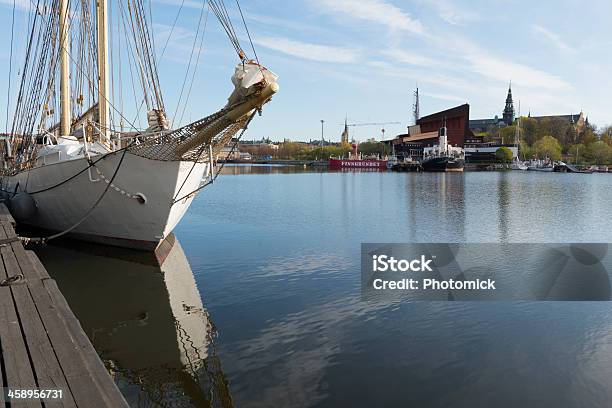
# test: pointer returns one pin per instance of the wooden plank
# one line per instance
(42, 344)
(76, 376)
(87, 377)
(24, 260)
(5, 215)
(17, 364)
(2, 382)
(47, 370)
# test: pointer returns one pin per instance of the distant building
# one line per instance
(479, 152)
(484, 125)
(425, 132)
(577, 119)
(508, 116)
(227, 153)
(345, 134)
(260, 143)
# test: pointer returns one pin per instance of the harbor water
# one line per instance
(259, 304)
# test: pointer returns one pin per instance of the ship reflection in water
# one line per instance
(149, 325)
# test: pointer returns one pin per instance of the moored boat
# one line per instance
(443, 163)
(354, 163)
(540, 165)
(73, 168)
(443, 157)
(355, 160)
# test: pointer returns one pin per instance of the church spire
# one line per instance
(345, 134)
(508, 114)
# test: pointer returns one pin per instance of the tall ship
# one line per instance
(74, 160)
(443, 157)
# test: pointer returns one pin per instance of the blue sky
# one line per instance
(364, 58)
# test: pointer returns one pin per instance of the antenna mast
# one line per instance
(518, 127)
(416, 107)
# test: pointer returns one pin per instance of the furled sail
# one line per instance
(254, 86)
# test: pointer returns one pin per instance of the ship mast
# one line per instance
(65, 111)
(103, 83)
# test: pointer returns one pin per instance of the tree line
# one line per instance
(557, 139)
(289, 150)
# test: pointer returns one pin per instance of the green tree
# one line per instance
(507, 134)
(529, 127)
(549, 147)
(575, 153)
(588, 136)
(558, 130)
(373, 147)
(503, 154)
(289, 150)
(525, 151)
(598, 152)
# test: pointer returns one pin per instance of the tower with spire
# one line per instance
(345, 133)
(508, 115)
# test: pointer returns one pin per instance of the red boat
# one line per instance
(357, 164)
(357, 161)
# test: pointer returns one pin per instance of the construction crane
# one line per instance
(347, 125)
(371, 124)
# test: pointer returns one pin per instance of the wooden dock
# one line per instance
(42, 344)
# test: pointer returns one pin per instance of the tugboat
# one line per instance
(443, 157)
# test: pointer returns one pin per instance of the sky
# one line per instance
(363, 59)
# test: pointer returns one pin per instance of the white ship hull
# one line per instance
(119, 219)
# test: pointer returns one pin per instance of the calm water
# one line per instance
(259, 305)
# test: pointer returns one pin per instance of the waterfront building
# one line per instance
(508, 115)
(479, 152)
(425, 133)
(227, 153)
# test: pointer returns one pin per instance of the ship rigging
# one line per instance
(75, 163)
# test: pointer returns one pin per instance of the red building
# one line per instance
(425, 132)
(456, 120)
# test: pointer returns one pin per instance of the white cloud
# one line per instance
(486, 64)
(444, 97)
(409, 57)
(375, 11)
(452, 14)
(314, 52)
(553, 38)
(505, 70)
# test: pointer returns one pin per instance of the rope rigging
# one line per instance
(195, 40)
(36, 107)
(10, 70)
(57, 47)
(218, 7)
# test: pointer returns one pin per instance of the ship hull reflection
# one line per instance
(146, 321)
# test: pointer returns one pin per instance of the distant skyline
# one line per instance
(363, 60)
